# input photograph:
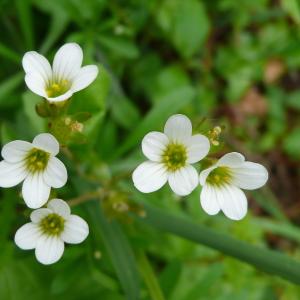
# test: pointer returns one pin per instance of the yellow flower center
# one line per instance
(36, 160)
(219, 176)
(174, 157)
(57, 88)
(53, 224)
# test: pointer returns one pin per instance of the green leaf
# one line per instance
(168, 278)
(29, 102)
(165, 107)
(291, 143)
(286, 230)
(168, 78)
(292, 7)
(8, 86)
(119, 45)
(25, 19)
(149, 277)
(119, 249)
(185, 23)
(267, 260)
(7, 53)
(124, 112)
(92, 100)
(58, 24)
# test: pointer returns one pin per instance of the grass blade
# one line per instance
(9, 54)
(267, 260)
(149, 277)
(25, 18)
(119, 249)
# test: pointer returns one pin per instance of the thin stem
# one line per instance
(149, 276)
(86, 197)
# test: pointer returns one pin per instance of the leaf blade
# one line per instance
(267, 260)
(119, 249)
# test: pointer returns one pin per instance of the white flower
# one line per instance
(65, 77)
(170, 157)
(36, 164)
(222, 184)
(49, 229)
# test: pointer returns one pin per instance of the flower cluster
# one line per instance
(170, 157)
(36, 165)
(170, 154)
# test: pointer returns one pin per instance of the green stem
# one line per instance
(267, 260)
(149, 276)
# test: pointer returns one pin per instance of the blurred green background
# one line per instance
(234, 63)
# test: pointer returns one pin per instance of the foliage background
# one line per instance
(235, 63)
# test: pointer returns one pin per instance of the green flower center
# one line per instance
(174, 157)
(37, 160)
(55, 89)
(53, 224)
(219, 176)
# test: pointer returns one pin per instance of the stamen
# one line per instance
(36, 160)
(53, 224)
(219, 176)
(174, 157)
(55, 89)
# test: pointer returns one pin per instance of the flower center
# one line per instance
(37, 160)
(55, 89)
(174, 157)
(52, 224)
(219, 176)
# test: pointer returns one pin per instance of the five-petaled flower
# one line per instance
(170, 157)
(36, 164)
(49, 229)
(63, 79)
(222, 184)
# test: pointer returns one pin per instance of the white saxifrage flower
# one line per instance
(170, 157)
(36, 164)
(49, 229)
(222, 184)
(63, 79)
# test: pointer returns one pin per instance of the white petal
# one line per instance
(149, 176)
(67, 95)
(204, 174)
(250, 176)
(11, 174)
(197, 148)
(35, 191)
(184, 181)
(37, 215)
(49, 249)
(67, 62)
(55, 174)
(178, 128)
(46, 142)
(27, 236)
(84, 78)
(36, 84)
(76, 230)
(15, 151)
(233, 202)
(60, 207)
(37, 65)
(153, 145)
(232, 159)
(208, 200)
